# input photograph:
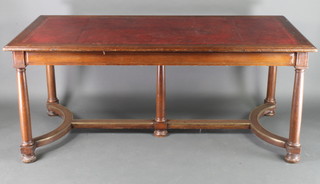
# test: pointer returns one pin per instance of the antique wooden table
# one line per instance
(161, 40)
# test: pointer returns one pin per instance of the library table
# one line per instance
(161, 40)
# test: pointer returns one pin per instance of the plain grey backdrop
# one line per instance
(129, 92)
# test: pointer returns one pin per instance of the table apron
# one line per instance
(127, 58)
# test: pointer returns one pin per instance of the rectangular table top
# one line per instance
(161, 34)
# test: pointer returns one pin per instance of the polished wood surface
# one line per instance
(217, 59)
(27, 146)
(149, 124)
(62, 130)
(159, 41)
(160, 119)
(293, 145)
(260, 131)
(271, 88)
(51, 84)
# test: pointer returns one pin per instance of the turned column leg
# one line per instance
(271, 89)
(27, 146)
(160, 124)
(293, 145)
(51, 86)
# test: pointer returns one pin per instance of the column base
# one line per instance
(50, 112)
(293, 152)
(27, 152)
(270, 113)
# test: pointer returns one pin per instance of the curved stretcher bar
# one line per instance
(62, 130)
(69, 122)
(261, 132)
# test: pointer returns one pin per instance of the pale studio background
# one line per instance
(129, 92)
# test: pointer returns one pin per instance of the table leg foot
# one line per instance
(28, 158)
(293, 153)
(27, 153)
(292, 158)
(271, 112)
(160, 133)
(51, 113)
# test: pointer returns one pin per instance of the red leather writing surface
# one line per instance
(161, 30)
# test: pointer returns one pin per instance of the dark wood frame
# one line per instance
(161, 56)
(160, 124)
